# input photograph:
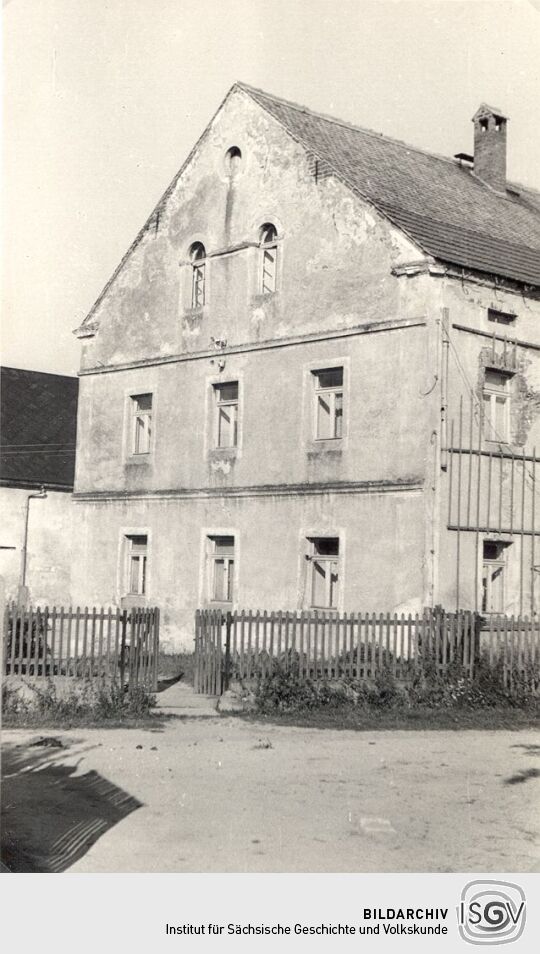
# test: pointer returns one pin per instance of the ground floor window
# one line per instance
(324, 562)
(493, 576)
(136, 564)
(221, 577)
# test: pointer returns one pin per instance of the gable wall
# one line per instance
(336, 252)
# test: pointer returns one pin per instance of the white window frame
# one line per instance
(229, 561)
(489, 565)
(493, 394)
(268, 275)
(328, 562)
(146, 417)
(139, 551)
(331, 394)
(198, 276)
(220, 403)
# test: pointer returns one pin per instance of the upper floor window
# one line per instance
(268, 242)
(233, 161)
(501, 317)
(197, 255)
(496, 397)
(226, 397)
(328, 403)
(141, 423)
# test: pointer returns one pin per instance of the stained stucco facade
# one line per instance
(352, 292)
(49, 548)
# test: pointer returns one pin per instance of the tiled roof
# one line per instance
(441, 205)
(38, 428)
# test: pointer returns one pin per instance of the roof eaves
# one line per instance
(31, 484)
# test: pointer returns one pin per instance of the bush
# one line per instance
(86, 701)
(282, 689)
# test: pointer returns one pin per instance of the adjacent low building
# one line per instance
(37, 447)
(269, 379)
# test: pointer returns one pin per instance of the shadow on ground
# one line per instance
(51, 816)
(167, 683)
(531, 749)
(522, 776)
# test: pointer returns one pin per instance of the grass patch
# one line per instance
(85, 703)
(361, 720)
(174, 666)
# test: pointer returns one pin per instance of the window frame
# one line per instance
(488, 566)
(333, 392)
(266, 248)
(325, 560)
(230, 567)
(492, 395)
(218, 404)
(146, 416)
(499, 317)
(198, 276)
(128, 536)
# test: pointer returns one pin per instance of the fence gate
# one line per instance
(212, 651)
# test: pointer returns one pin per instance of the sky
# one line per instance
(103, 101)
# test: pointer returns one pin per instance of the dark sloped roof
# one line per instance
(442, 206)
(38, 428)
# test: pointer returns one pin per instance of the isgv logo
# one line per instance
(491, 912)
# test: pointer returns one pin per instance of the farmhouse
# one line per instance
(314, 379)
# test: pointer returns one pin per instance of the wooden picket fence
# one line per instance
(83, 643)
(245, 645)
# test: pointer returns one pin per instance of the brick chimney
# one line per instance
(490, 147)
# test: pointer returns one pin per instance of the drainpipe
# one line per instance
(444, 388)
(23, 592)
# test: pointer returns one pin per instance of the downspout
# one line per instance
(23, 594)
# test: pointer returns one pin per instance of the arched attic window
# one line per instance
(268, 243)
(197, 257)
(233, 161)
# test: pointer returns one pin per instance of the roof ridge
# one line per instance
(51, 374)
(343, 122)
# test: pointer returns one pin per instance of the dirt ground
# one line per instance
(220, 794)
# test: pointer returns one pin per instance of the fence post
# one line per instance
(196, 679)
(227, 661)
(156, 651)
(3, 641)
(123, 650)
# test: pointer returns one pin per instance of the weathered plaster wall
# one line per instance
(468, 305)
(336, 256)
(50, 554)
(336, 253)
(376, 531)
(387, 375)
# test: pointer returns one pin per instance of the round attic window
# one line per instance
(233, 161)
